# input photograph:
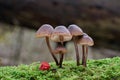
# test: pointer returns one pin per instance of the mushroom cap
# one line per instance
(61, 31)
(75, 30)
(85, 34)
(60, 49)
(44, 31)
(86, 40)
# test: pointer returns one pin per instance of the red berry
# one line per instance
(44, 66)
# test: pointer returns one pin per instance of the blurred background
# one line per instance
(20, 19)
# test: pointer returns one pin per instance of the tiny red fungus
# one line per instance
(44, 66)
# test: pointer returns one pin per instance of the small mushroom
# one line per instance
(85, 41)
(76, 32)
(61, 34)
(45, 31)
(60, 49)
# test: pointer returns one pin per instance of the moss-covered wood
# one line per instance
(104, 69)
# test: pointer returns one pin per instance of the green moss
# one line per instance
(104, 69)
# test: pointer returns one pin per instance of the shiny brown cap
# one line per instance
(44, 30)
(86, 40)
(75, 30)
(85, 34)
(60, 49)
(61, 31)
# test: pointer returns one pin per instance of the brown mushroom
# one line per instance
(61, 34)
(76, 32)
(85, 41)
(45, 31)
(60, 49)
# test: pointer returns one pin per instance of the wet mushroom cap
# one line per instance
(85, 34)
(62, 50)
(75, 30)
(86, 40)
(44, 30)
(61, 31)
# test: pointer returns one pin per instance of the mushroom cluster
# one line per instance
(60, 35)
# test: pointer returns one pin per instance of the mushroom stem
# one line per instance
(61, 39)
(50, 49)
(77, 51)
(61, 54)
(84, 56)
(61, 60)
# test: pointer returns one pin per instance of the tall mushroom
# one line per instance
(85, 41)
(61, 34)
(76, 32)
(45, 31)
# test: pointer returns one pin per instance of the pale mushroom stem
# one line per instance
(84, 55)
(77, 52)
(50, 49)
